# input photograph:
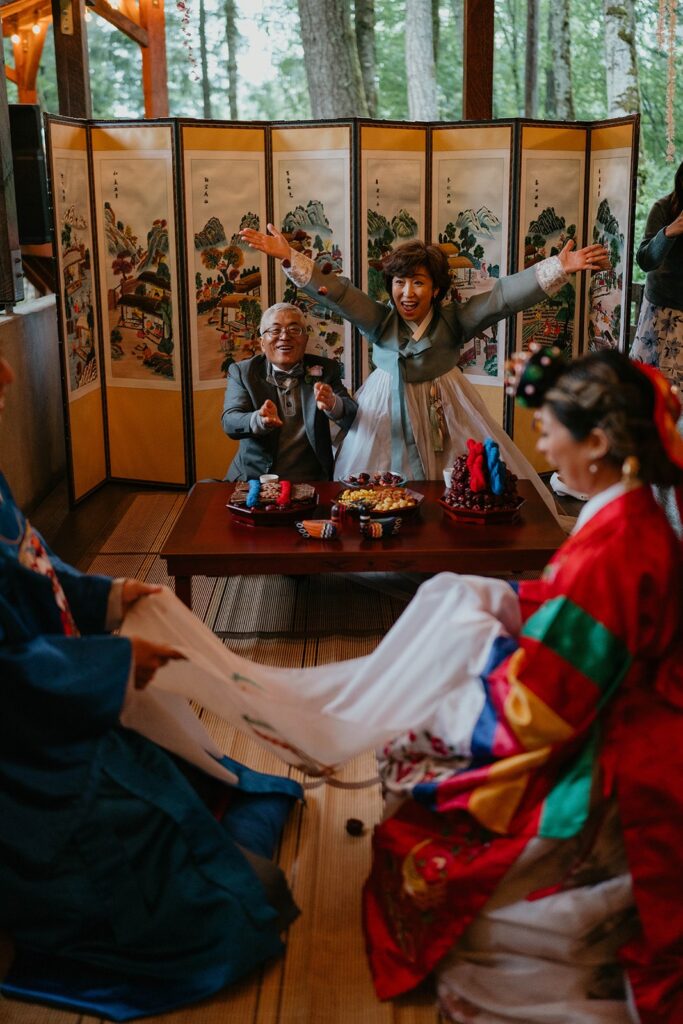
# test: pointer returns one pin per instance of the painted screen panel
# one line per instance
(551, 213)
(312, 206)
(610, 222)
(393, 189)
(77, 305)
(224, 177)
(471, 223)
(139, 309)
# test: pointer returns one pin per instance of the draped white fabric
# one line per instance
(424, 674)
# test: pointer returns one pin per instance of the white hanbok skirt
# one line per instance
(367, 446)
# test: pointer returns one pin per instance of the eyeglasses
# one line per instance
(292, 331)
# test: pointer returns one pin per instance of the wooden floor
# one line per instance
(323, 976)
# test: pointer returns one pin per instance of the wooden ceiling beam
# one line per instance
(27, 53)
(130, 28)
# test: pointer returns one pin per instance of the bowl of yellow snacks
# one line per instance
(380, 501)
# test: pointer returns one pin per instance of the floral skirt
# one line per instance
(659, 340)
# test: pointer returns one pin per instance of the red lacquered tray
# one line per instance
(483, 517)
(279, 517)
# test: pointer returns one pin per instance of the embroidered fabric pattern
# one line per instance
(301, 269)
(550, 275)
(33, 556)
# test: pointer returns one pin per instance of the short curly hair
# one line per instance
(406, 260)
(606, 390)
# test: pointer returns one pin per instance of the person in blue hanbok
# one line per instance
(132, 882)
(417, 409)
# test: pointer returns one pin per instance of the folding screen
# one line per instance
(224, 184)
(135, 214)
(311, 168)
(79, 332)
(141, 207)
(471, 219)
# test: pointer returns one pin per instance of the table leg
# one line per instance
(183, 589)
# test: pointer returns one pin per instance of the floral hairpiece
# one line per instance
(529, 375)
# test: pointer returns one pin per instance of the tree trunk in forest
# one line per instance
(333, 73)
(531, 60)
(550, 92)
(508, 27)
(420, 67)
(232, 38)
(435, 29)
(206, 85)
(365, 41)
(623, 93)
(559, 57)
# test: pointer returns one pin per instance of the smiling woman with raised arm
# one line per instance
(417, 409)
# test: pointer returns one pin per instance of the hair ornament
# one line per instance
(667, 412)
(529, 375)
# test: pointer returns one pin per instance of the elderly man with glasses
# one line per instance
(279, 404)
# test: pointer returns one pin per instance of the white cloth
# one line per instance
(368, 445)
(317, 718)
(553, 959)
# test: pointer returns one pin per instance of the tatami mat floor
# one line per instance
(322, 977)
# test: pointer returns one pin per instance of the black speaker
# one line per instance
(30, 174)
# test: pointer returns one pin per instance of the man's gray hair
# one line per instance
(269, 314)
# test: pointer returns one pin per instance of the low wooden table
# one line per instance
(207, 541)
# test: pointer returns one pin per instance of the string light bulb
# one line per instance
(15, 37)
(35, 28)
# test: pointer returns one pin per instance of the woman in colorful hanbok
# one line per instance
(417, 409)
(132, 881)
(530, 737)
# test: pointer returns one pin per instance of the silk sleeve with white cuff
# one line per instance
(551, 275)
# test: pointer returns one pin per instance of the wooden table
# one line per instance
(207, 541)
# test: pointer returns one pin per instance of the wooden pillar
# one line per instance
(71, 57)
(154, 74)
(477, 86)
(11, 280)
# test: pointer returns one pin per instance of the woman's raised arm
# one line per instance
(272, 244)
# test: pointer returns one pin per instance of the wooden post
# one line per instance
(477, 86)
(71, 58)
(154, 74)
(11, 280)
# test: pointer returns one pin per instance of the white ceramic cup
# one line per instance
(269, 478)
(447, 477)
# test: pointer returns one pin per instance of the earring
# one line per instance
(593, 467)
(630, 470)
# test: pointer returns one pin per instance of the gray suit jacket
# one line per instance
(247, 389)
